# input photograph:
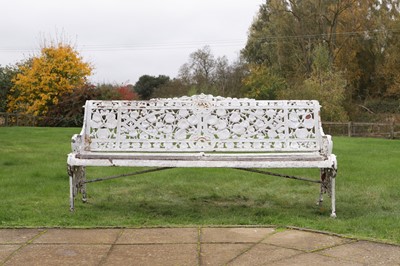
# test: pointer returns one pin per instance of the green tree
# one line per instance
(263, 84)
(238, 72)
(147, 84)
(173, 88)
(360, 38)
(57, 70)
(285, 33)
(325, 85)
(7, 74)
(329, 89)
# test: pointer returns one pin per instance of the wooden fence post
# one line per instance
(349, 129)
(392, 129)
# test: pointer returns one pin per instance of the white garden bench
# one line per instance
(202, 131)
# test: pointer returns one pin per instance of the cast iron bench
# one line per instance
(202, 131)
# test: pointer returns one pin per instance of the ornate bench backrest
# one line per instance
(202, 123)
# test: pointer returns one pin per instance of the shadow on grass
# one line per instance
(213, 208)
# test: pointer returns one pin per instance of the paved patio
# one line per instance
(188, 246)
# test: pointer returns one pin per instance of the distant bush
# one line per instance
(69, 110)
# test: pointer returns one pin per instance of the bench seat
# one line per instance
(239, 160)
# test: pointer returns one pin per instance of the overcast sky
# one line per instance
(125, 39)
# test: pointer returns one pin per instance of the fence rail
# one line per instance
(361, 129)
(351, 129)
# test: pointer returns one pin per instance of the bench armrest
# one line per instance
(77, 143)
(327, 145)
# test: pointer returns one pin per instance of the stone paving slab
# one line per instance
(305, 241)
(312, 259)
(7, 250)
(17, 236)
(159, 236)
(42, 255)
(161, 254)
(234, 235)
(262, 254)
(79, 236)
(367, 253)
(188, 246)
(221, 254)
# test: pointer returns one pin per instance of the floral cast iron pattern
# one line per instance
(203, 123)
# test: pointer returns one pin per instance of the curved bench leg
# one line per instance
(82, 183)
(322, 189)
(328, 184)
(77, 178)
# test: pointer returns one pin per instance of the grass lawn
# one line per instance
(34, 191)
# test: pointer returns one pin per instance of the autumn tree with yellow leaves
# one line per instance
(40, 84)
